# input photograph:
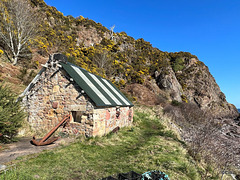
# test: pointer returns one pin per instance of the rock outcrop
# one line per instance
(195, 84)
(169, 83)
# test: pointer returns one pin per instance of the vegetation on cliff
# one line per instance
(128, 59)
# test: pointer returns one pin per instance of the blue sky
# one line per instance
(209, 29)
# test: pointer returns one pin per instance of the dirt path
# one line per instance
(24, 147)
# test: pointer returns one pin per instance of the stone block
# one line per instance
(60, 106)
(88, 126)
(59, 98)
(75, 131)
(76, 107)
(84, 117)
(51, 113)
(90, 122)
(54, 105)
(62, 90)
(44, 89)
(83, 120)
(82, 132)
(59, 111)
(55, 89)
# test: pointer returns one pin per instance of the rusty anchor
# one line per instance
(46, 139)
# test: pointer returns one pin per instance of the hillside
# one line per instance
(178, 76)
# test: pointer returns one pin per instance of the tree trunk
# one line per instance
(15, 59)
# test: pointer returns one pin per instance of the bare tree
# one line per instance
(17, 28)
(111, 32)
(103, 60)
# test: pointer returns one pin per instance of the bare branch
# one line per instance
(17, 27)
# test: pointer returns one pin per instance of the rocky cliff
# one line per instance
(195, 84)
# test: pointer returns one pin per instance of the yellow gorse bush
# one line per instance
(1, 52)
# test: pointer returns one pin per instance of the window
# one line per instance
(77, 116)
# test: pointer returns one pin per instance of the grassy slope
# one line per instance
(148, 145)
(9, 76)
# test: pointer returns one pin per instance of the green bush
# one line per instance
(175, 103)
(11, 114)
(178, 64)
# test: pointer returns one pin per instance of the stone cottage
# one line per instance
(95, 105)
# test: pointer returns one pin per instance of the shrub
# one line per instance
(178, 64)
(1, 52)
(11, 114)
(184, 98)
(201, 133)
(175, 103)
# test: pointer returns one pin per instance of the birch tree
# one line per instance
(111, 32)
(17, 28)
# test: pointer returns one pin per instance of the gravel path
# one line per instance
(24, 147)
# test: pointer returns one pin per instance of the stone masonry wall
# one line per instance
(54, 96)
(107, 119)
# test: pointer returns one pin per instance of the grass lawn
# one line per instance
(145, 146)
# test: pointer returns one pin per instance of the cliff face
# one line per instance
(125, 61)
(201, 88)
(195, 84)
(169, 83)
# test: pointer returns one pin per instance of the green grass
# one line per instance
(145, 146)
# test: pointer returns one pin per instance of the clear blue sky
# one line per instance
(209, 29)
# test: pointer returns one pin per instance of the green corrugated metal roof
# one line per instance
(100, 90)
